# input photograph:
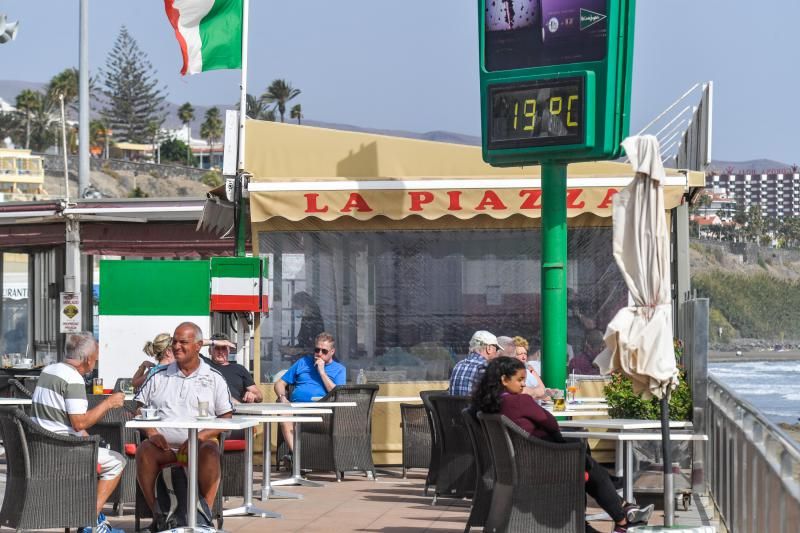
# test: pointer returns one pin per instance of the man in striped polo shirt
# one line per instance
(60, 406)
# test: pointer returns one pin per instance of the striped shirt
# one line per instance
(60, 392)
(466, 374)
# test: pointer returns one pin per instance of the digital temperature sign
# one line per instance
(541, 113)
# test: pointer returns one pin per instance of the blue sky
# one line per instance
(412, 64)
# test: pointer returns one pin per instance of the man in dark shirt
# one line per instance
(240, 383)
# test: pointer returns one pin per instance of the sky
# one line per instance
(413, 64)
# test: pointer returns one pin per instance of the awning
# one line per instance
(134, 147)
(301, 172)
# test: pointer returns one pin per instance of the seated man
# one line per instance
(312, 376)
(176, 390)
(60, 405)
(583, 363)
(240, 382)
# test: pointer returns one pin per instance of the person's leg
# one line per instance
(208, 472)
(111, 466)
(149, 460)
(600, 487)
(287, 428)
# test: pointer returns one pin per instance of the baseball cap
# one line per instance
(486, 338)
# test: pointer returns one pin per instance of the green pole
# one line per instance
(554, 274)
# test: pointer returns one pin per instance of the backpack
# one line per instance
(172, 495)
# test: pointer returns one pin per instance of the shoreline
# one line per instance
(750, 357)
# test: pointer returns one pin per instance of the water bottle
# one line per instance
(361, 379)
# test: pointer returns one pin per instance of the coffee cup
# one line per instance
(148, 413)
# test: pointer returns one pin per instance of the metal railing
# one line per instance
(753, 466)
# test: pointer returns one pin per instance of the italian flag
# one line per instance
(209, 33)
(235, 284)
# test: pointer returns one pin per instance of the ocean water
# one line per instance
(772, 387)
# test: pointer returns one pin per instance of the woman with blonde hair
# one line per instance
(159, 349)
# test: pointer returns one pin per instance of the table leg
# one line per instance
(297, 478)
(267, 491)
(627, 451)
(247, 507)
(619, 461)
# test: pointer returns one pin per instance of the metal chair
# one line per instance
(416, 436)
(539, 485)
(51, 479)
(484, 480)
(456, 476)
(343, 441)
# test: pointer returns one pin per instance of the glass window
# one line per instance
(403, 305)
(14, 316)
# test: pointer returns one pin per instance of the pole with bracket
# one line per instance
(554, 274)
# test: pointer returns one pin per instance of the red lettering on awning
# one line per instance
(357, 202)
(572, 199)
(455, 200)
(490, 199)
(418, 199)
(607, 198)
(311, 204)
(531, 198)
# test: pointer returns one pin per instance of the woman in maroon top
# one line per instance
(500, 391)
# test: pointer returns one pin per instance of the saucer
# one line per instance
(143, 419)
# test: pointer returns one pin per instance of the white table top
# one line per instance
(15, 401)
(307, 405)
(591, 399)
(602, 435)
(623, 424)
(224, 424)
(587, 406)
(572, 413)
(259, 419)
(398, 399)
(277, 409)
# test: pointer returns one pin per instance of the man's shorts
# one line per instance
(109, 463)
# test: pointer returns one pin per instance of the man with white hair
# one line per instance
(483, 347)
(60, 406)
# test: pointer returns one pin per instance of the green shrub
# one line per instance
(212, 179)
(624, 403)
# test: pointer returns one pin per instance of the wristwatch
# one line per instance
(213, 342)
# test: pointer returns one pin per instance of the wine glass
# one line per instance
(572, 388)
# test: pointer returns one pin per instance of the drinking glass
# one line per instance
(572, 388)
(559, 404)
(202, 409)
(97, 386)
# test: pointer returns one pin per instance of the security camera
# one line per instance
(8, 30)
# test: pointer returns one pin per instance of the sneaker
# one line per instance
(638, 515)
(103, 526)
(286, 462)
(590, 529)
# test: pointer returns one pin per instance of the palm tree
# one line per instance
(279, 93)
(66, 83)
(28, 102)
(211, 129)
(297, 113)
(186, 116)
(256, 108)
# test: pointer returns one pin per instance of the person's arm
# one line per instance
(280, 391)
(538, 391)
(544, 420)
(326, 380)
(83, 421)
(252, 395)
(141, 374)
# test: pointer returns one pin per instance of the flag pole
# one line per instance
(239, 200)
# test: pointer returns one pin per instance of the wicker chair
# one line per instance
(111, 428)
(456, 476)
(233, 462)
(416, 436)
(539, 485)
(122, 384)
(484, 482)
(18, 390)
(433, 465)
(343, 441)
(51, 480)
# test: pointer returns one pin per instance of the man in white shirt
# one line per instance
(175, 391)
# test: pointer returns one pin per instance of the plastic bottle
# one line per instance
(361, 379)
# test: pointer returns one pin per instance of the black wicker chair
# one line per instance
(416, 436)
(51, 479)
(539, 485)
(233, 462)
(456, 476)
(343, 441)
(484, 480)
(433, 465)
(18, 390)
(111, 428)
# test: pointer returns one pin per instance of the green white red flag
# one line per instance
(209, 33)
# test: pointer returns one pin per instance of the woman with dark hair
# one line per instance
(500, 391)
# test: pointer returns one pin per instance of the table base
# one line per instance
(250, 510)
(297, 480)
(196, 529)
(279, 495)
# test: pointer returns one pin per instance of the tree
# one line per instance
(256, 107)
(133, 98)
(280, 92)
(43, 124)
(27, 103)
(211, 128)
(186, 116)
(755, 223)
(296, 113)
(64, 83)
(174, 151)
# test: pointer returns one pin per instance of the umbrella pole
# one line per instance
(669, 490)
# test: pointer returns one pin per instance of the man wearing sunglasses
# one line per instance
(312, 376)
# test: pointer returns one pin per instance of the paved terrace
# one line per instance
(388, 505)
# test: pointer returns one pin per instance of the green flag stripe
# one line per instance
(221, 35)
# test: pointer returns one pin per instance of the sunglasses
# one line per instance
(323, 351)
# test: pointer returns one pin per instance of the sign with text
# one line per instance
(70, 312)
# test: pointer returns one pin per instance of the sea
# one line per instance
(773, 387)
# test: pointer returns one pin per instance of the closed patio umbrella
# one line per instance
(639, 338)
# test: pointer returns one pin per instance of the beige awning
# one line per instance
(301, 172)
(134, 147)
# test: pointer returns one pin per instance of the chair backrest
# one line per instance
(457, 462)
(426, 401)
(480, 447)
(363, 396)
(17, 460)
(19, 390)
